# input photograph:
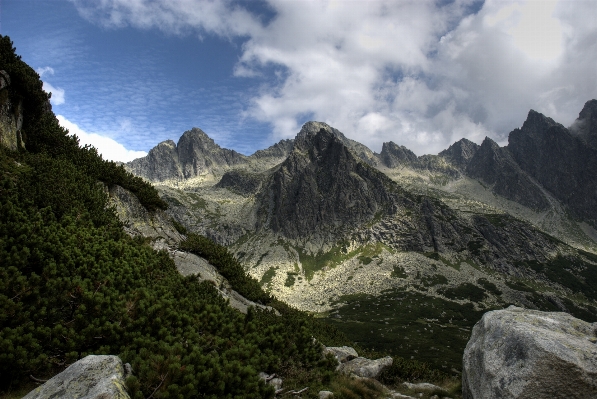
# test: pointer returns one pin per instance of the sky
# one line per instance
(127, 74)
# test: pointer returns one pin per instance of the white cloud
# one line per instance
(414, 72)
(45, 71)
(110, 149)
(57, 93)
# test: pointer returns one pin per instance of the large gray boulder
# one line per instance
(341, 353)
(365, 368)
(93, 377)
(520, 353)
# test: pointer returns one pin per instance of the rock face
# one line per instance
(393, 155)
(359, 150)
(519, 353)
(561, 162)
(322, 187)
(460, 153)
(585, 126)
(496, 167)
(94, 377)
(11, 115)
(241, 182)
(195, 155)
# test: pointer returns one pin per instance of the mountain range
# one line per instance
(329, 226)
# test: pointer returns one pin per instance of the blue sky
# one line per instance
(128, 74)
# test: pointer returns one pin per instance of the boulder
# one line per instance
(93, 377)
(520, 353)
(365, 368)
(325, 395)
(425, 387)
(342, 353)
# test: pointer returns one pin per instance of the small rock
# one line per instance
(94, 377)
(424, 387)
(325, 395)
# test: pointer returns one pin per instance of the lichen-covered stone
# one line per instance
(517, 353)
(341, 353)
(93, 377)
(365, 368)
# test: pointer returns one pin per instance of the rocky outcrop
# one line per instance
(341, 353)
(365, 368)
(585, 126)
(561, 162)
(393, 155)
(497, 168)
(322, 187)
(351, 363)
(158, 227)
(280, 150)
(93, 377)
(241, 182)
(460, 153)
(517, 353)
(160, 164)
(138, 221)
(359, 150)
(11, 115)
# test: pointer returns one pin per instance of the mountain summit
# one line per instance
(322, 185)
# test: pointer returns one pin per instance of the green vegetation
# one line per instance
(465, 291)
(399, 272)
(267, 277)
(410, 326)
(332, 258)
(227, 265)
(474, 247)
(572, 272)
(436, 279)
(489, 286)
(498, 219)
(72, 283)
(179, 227)
(338, 254)
(290, 279)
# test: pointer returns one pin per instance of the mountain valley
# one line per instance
(330, 227)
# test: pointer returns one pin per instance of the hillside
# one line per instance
(91, 264)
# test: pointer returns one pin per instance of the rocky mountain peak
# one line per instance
(393, 155)
(495, 166)
(312, 128)
(585, 126)
(460, 153)
(322, 188)
(536, 125)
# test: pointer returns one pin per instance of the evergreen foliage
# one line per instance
(72, 283)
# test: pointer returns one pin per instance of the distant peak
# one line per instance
(488, 142)
(312, 128)
(589, 110)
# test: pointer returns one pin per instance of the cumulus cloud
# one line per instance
(57, 93)
(420, 73)
(109, 148)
